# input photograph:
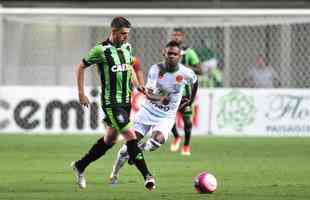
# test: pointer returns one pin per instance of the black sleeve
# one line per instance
(194, 92)
(86, 63)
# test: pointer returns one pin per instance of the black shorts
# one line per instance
(117, 117)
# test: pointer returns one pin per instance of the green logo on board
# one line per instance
(236, 110)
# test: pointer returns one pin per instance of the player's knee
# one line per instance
(154, 142)
(151, 145)
(139, 135)
(159, 138)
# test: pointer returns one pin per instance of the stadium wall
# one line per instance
(223, 112)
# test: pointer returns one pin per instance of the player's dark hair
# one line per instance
(120, 22)
(173, 44)
(179, 29)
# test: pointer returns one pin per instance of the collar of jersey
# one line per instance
(113, 44)
(176, 69)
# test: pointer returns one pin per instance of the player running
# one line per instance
(189, 59)
(113, 58)
(164, 87)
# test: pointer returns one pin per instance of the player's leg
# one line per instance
(187, 116)
(159, 135)
(135, 154)
(153, 143)
(121, 158)
(118, 120)
(96, 151)
(175, 131)
(175, 144)
(158, 138)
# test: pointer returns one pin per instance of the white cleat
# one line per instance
(175, 144)
(79, 176)
(149, 183)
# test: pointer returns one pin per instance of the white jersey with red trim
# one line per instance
(168, 83)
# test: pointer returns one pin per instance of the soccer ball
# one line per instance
(205, 183)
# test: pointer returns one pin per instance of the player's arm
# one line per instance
(217, 76)
(197, 69)
(151, 83)
(93, 57)
(140, 78)
(194, 62)
(194, 92)
(188, 101)
(155, 97)
(137, 78)
(136, 83)
(192, 79)
(80, 79)
(136, 65)
(149, 93)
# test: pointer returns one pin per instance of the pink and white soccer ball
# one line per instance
(205, 183)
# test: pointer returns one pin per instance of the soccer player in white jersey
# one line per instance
(163, 91)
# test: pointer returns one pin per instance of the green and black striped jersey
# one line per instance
(115, 71)
(189, 58)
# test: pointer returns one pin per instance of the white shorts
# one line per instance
(143, 126)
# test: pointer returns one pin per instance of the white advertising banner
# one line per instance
(239, 112)
(47, 110)
(261, 112)
(55, 110)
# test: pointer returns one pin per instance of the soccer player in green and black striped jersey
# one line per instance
(113, 59)
(191, 60)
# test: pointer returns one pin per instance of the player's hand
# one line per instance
(141, 89)
(84, 101)
(165, 100)
(184, 102)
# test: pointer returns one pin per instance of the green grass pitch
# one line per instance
(35, 167)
